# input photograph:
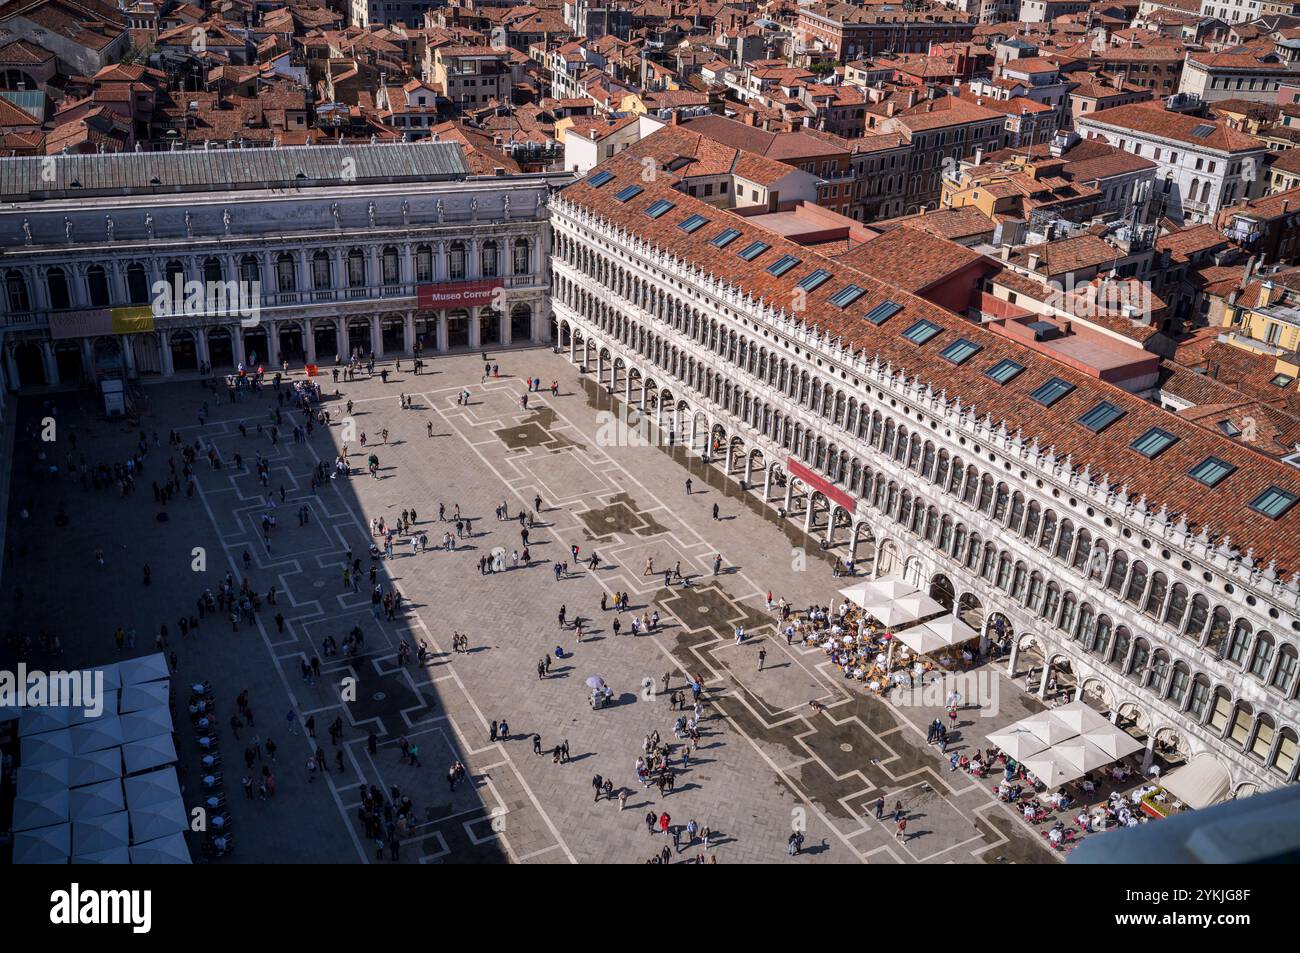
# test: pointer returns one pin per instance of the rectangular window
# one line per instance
(1211, 471)
(728, 236)
(753, 250)
(629, 193)
(1154, 442)
(883, 312)
(1049, 393)
(600, 178)
(659, 208)
(846, 296)
(1004, 370)
(960, 350)
(782, 265)
(815, 280)
(694, 223)
(922, 331)
(1101, 416)
(1273, 502)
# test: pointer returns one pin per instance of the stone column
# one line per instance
(201, 345)
(376, 337)
(443, 343)
(128, 354)
(504, 329)
(344, 345)
(767, 482)
(475, 342)
(1042, 682)
(237, 345)
(309, 342)
(273, 346)
(408, 331)
(51, 365)
(165, 353)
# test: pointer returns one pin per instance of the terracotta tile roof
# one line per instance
(952, 223)
(1156, 483)
(1145, 120)
(910, 258)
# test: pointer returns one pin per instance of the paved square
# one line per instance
(766, 763)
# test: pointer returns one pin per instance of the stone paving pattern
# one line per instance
(767, 761)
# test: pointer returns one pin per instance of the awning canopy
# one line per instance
(147, 668)
(171, 849)
(103, 732)
(1052, 769)
(138, 725)
(921, 639)
(143, 696)
(43, 845)
(1199, 783)
(1046, 727)
(148, 753)
(920, 606)
(101, 833)
(1083, 754)
(157, 820)
(1017, 742)
(40, 810)
(154, 787)
(96, 800)
(952, 628)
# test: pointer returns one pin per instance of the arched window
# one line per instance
(390, 266)
(456, 261)
(56, 283)
(212, 270)
(423, 263)
(1287, 663)
(489, 259)
(250, 270)
(137, 283)
(285, 272)
(16, 291)
(356, 268)
(1262, 660)
(97, 286)
(320, 271)
(520, 256)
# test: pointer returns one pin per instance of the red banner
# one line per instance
(459, 294)
(820, 484)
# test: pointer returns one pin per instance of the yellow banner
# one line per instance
(135, 320)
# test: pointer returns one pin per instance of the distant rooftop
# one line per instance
(212, 170)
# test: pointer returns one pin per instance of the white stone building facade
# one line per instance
(1188, 642)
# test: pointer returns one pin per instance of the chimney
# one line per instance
(1033, 261)
(1265, 293)
(911, 97)
(979, 156)
(890, 108)
(1006, 252)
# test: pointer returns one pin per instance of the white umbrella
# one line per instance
(920, 605)
(1018, 743)
(889, 614)
(1115, 741)
(889, 588)
(106, 705)
(96, 800)
(147, 668)
(952, 629)
(157, 820)
(138, 725)
(163, 850)
(40, 779)
(114, 855)
(153, 787)
(97, 734)
(49, 746)
(112, 675)
(43, 845)
(148, 753)
(143, 696)
(1078, 717)
(95, 766)
(40, 810)
(1052, 769)
(1046, 727)
(101, 833)
(921, 639)
(1084, 755)
(42, 718)
(858, 594)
